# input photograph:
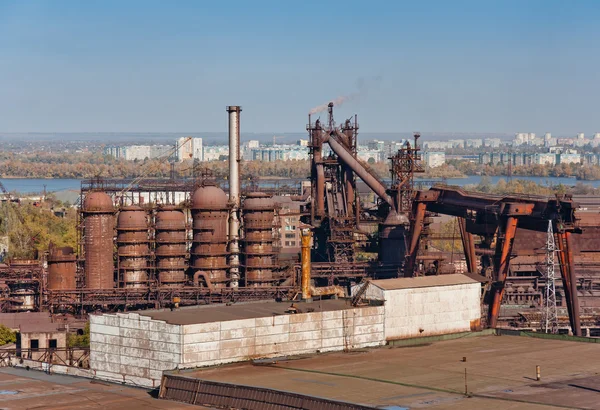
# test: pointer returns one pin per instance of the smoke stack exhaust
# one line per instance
(234, 194)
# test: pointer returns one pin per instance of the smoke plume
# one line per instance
(362, 85)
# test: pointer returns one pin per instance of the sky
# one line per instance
(173, 66)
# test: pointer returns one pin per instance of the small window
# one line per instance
(52, 344)
(290, 235)
(34, 344)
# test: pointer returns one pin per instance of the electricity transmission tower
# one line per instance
(550, 313)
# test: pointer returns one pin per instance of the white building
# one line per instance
(215, 153)
(544, 158)
(369, 155)
(434, 158)
(142, 152)
(569, 158)
(135, 348)
(474, 143)
(189, 148)
(492, 142)
(427, 305)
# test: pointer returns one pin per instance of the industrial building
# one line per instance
(152, 253)
(137, 347)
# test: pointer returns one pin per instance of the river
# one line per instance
(26, 185)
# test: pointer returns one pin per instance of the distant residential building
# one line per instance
(215, 153)
(492, 142)
(268, 154)
(190, 148)
(474, 143)
(142, 152)
(392, 148)
(527, 138)
(569, 158)
(369, 155)
(590, 158)
(376, 145)
(457, 143)
(434, 159)
(303, 143)
(115, 152)
(437, 145)
(253, 144)
(544, 158)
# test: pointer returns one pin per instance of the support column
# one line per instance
(415, 237)
(504, 244)
(468, 243)
(567, 273)
(306, 264)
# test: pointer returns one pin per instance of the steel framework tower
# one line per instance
(550, 313)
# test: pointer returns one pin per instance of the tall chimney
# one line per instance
(234, 194)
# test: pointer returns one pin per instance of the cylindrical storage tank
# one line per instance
(99, 225)
(62, 269)
(133, 248)
(259, 213)
(392, 242)
(209, 225)
(171, 239)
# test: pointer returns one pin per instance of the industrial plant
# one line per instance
(149, 244)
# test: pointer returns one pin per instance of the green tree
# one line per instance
(7, 336)
(80, 340)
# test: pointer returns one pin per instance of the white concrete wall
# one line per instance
(238, 340)
(431, 310)
(134, 349)
(130, 348)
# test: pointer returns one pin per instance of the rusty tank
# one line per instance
(258, 214)
(99, 224)
(209, 247)
(171, 245)
(62, 269)
(133, 250)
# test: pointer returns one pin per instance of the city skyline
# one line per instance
(444, 67)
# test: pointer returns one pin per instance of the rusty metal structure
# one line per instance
(170, 227)
(258, 217)
(98, 220)
(133, 247)
(62, 269)
(210, 212)
(496, 218)
(186, 248)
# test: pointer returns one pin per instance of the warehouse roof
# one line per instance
(423, 282)
(246, 310)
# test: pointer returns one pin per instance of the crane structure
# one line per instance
(495, 219)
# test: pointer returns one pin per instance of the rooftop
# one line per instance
(423, 282)
(30, 319)
(22, 389)
(500, 375)
(248, 310)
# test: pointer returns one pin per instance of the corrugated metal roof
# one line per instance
(423, 282)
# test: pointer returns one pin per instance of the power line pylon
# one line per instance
(550, 312)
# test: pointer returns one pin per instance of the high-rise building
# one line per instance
(189, 148)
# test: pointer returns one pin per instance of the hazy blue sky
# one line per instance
(489, 66)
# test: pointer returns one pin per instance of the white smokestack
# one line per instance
(234, 194)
